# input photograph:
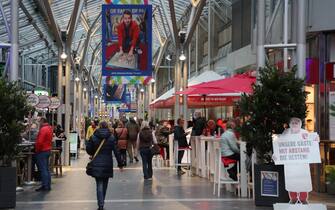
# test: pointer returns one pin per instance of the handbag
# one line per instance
(155, 150)
(89, 167)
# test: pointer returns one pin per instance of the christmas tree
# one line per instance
(276, 98)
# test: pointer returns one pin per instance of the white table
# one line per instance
(204, 161)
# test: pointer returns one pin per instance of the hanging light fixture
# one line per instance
(63, 56)
(168, 57)
(182, 56)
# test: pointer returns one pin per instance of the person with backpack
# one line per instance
(145, 140)
(101, 147)
(121, 134)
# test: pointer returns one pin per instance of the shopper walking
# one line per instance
(101, 146)
(145, 140)
(133, 130)
(121, 134)
(42, 149)
(91, 128)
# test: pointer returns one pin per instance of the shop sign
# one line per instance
(330, 71)
(33, 100)
(41, 92)
(44, 102)
(270, 183)
(331, 115)
(296, 148)
(54, 103)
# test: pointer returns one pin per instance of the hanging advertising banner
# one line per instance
(114, 93)
(126, 40)
(331, 115)
(127, 1)
(130, 80)
(129, 104)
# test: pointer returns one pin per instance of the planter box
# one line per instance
(270, 185)
(7, 187)
(331, 189)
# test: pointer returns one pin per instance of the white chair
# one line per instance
(221, 175)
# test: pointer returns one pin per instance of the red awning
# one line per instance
(237, 84)
(223, 92)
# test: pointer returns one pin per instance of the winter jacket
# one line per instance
(134, 32)
(145, 138)
(229, 143)
(90, 131)
(180, 136)
(199, 125)
(44, 139)
(162, 134)
(122, 133)
(103, 162)
(133, 130)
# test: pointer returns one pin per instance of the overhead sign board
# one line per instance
(44, 102)
(54, 103)
(32, 100)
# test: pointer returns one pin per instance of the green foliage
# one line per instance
(330, 174)
(332, 110)
(13, 108)
(276, 98)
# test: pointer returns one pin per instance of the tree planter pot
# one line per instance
(269, 185)
(7, 187)
(331, 189)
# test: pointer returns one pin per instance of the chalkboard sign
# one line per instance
(270, 183)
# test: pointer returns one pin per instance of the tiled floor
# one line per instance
(75, 190)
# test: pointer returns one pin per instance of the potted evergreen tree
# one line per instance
(13, 108)
(330, 179)
(277, 96)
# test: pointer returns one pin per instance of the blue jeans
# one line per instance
(42, 160)
(102, 184)
(146, 162)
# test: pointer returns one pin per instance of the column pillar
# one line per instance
(260, 34)
(14, 39)
(67, 107)
(301, 39)
(60, 87)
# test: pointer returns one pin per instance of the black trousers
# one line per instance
(180, 157)
(233, 171)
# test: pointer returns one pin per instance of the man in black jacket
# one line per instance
(199, 124)
(180, 136)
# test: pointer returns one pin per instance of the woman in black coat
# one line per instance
(102, 164)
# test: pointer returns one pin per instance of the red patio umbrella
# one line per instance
(236, 84)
